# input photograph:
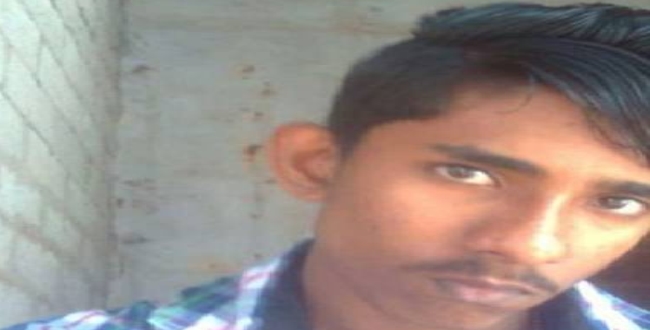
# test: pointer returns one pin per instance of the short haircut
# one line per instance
(597, 55)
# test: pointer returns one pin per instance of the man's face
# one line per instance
(490, 209)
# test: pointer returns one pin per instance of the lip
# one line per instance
(484, 291)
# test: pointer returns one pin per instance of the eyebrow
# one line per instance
(626, 188)
(481, 156)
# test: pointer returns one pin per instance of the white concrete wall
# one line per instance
(58, 110)
(204, 84)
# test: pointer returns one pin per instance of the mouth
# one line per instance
(485, 291)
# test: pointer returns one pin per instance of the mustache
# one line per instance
(482, 267)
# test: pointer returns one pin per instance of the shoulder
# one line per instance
(132, 318)
(604, 308)
(193, 304)
(225, 302)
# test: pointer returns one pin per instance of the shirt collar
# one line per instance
(282, 305)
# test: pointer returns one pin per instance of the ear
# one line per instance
(303, 158)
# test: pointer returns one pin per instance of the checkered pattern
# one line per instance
(232, 304)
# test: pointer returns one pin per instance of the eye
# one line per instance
(622, 205)
(465, 174)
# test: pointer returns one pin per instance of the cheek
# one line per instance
(606, 249)
(397, 220)
(593, 252)
(612, 243)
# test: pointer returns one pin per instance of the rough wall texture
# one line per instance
(58, 110)
(205, 82)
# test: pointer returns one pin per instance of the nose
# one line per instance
(530, 231)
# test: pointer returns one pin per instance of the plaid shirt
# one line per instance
(268, 297)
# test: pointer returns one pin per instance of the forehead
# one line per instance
(523, 111)
(536, 124)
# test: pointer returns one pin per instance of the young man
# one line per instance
(470, 178)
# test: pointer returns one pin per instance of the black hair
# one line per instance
(598, 55)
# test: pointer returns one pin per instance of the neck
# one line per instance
(335, 304)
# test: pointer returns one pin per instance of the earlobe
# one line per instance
(303, 158)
